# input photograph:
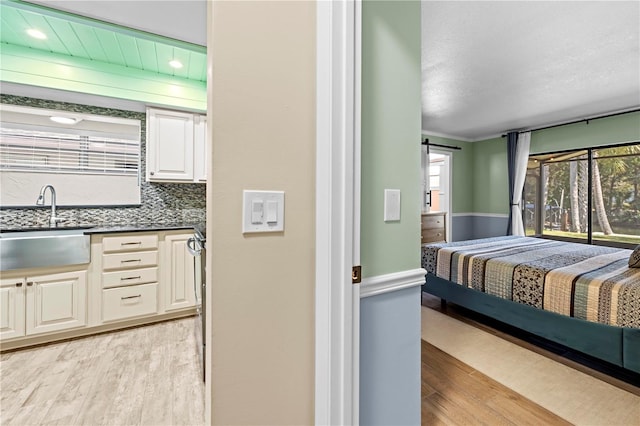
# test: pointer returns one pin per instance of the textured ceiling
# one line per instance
(73, 35)
(489, 67)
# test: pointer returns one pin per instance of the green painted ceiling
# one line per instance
(81, 37)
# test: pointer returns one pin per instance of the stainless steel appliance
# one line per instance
(197, 247)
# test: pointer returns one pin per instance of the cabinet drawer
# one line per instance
(129, 277)
(130, 243)
(127, 302)
(432, 235)
(130, 260)
(431, 222)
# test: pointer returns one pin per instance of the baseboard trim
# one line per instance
(65, 335)
(387, 283)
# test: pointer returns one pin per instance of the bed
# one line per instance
(582, 296)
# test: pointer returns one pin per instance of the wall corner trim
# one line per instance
(387, 283)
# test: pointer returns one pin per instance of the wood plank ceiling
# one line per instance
(77, 36)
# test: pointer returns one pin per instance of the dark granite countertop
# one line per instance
(139, 227)
(109, 229)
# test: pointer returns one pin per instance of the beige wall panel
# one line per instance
(262, 111)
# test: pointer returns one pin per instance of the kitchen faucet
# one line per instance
(53, 220)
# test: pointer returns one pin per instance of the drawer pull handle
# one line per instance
(130, 278)
(131, 260)
(131, 297)
(29, 283)
(18, 284)
(134, 243)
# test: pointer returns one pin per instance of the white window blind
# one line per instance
(45, 151)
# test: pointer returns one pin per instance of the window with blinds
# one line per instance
(90, 159)
(47, 151)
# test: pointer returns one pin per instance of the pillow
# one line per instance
(634, 259)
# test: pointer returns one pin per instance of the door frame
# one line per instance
(448, 220)
(337, 300)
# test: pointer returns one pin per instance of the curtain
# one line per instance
(517, 157)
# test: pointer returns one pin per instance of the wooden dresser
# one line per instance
(433, 227)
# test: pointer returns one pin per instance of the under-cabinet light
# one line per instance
(175, 63)
(64, 120)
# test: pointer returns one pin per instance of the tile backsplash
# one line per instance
(161, 203)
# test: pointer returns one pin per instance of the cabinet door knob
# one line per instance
(152, 173)
(18, 284)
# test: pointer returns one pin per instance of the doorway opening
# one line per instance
(436, 187)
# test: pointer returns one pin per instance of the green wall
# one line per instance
(391, 105)
(604, 131)
(490, 179)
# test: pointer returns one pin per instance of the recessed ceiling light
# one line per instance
(63, 120)
(175, 63)
(36, 34)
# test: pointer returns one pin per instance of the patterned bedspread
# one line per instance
(589, 282)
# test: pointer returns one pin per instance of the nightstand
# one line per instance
(433, 227)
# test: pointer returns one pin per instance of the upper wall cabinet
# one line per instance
(176, 146)
(200, 148)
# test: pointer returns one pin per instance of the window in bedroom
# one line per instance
(590, 195)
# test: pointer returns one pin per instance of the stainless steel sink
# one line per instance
(35, 248)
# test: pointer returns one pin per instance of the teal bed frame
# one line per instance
(617, 345)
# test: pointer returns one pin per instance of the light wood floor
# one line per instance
(455, 394)
(141, 376)
(150, 376)
(460, 314)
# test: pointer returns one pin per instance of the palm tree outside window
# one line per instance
(589, 195)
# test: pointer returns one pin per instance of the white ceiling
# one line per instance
(487, 66)
(493, 66)
(184, 20)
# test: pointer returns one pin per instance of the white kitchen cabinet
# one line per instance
(134, 278)
(200, 148)
(180, 275)
(127, 302)
(43, 303)
(12, 308)
(129, 275)
(56, 302)
(169, 145)
(176, 146)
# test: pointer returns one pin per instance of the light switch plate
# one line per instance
(391, 205)
(271, 207)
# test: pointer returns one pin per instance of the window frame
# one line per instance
(539, 214)
(80, 182)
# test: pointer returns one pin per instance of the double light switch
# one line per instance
(263, 211)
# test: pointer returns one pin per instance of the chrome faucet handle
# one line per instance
(53, 221)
